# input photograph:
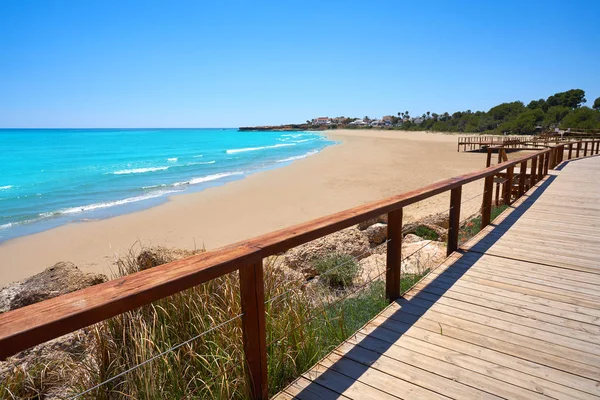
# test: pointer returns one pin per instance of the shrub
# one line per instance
(426, 233)
(337, 270)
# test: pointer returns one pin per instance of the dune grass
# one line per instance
(303, 325)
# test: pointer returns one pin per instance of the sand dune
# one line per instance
(368, 165)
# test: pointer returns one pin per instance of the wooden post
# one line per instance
(546, 164)
(570, 150)
(508, 186)
(522, 178)
(542, 168)
(454, 220)
(486, 205)
(585, 148)
(578, 149)
(533, 176)
(252, 292)
(488, 162)
(552, 157)
(394, 255)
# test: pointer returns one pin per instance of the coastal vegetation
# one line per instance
(189, 345)
(562, 110)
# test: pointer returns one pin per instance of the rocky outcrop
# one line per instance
(417, 257)
(347, 241)
(159, 255)
(420, 256)
(382, 219)
(61, 278)
(376, 233)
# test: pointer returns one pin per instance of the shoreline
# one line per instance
(368, 165)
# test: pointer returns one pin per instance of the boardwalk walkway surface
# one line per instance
(514, 314)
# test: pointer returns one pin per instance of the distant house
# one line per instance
(358, 121)
(321, 121)
(388, 118)
(377, 122)
(417, 120)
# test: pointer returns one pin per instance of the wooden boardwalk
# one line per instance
(514, 314)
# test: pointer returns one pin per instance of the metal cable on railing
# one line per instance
(338, 266)
(327, 306)
(173, 348)
(319, 311)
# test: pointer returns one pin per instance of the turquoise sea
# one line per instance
(49, 177)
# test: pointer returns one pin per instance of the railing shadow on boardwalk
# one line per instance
(410, 313)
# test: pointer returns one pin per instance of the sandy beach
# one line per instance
(367, 165)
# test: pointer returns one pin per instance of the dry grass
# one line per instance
(300, 330)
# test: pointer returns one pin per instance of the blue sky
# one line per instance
(225, 64)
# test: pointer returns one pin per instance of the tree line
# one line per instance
(563, 110)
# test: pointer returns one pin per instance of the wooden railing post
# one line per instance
(552, 157)
(508, 185)
(533, 175)
(578, 149)
(570, 150)
(486, 205)
(523, 171)
(454, 220)
(252, 293)
(585, 149)
(394, 255)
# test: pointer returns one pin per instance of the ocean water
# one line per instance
(49, 177)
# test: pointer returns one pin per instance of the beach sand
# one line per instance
(368, 165)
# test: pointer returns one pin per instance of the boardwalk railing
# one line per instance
(40, 322)
(478, 142)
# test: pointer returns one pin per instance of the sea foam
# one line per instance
(233, 151)
(139, 170)
(108, 204)
(310, 153)
(208, 178)
(6, 187)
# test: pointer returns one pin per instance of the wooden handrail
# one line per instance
(49, 319)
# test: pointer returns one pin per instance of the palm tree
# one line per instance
(428, 114)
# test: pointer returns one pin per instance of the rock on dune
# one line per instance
(159, 255)
(347, 241)
(418, 256)
(382, 219)
(376, 233)
(61, 278)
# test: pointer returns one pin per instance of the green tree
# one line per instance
(505, 111)
(596, 105)
(555, 114)
(583, 117)
(573, 98)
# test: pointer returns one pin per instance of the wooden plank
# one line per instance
(535, 339)
(487, 337)
(464, 301)
(372, 377)
(252, 295)
(567, 310)
(419, 339)
(441, 380)
(303, 389)
(344, 385)
(486, 206)
(454, 220)
(556, 329)
(476, 372)
(394, 255)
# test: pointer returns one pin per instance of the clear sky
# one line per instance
(85, 63)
